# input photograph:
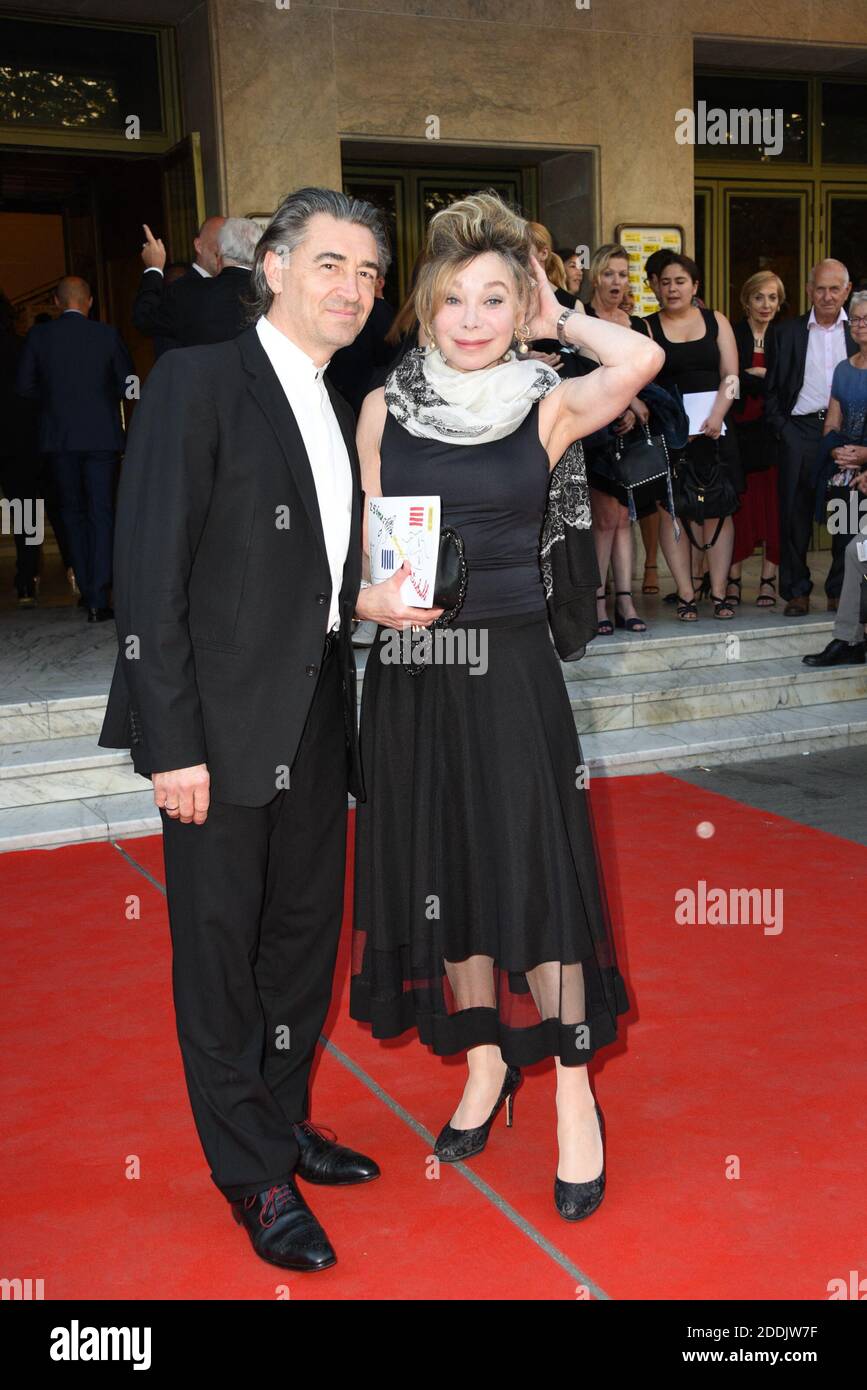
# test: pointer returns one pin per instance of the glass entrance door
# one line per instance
(765, 229)
(844, 214)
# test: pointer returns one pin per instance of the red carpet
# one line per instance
(742, 1046)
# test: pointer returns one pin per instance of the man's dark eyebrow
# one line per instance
(337, 256)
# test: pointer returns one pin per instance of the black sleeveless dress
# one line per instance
(694, 366)
(479, 912)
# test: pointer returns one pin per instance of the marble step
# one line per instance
(670, 645)
(47, 825)
(62, 769)
(615, 753)
(738, 738)
(665, 697)
(708, 642)
(53, 718)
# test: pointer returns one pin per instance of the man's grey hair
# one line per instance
(288, 228)
(829, 260)
(237, 240)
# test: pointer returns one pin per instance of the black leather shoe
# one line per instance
(577, 1200)
(454, 1145)
(99, 615)
(283, 1229)
(323, 1161)
(838, 653)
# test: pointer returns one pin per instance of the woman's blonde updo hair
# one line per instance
(470, 227)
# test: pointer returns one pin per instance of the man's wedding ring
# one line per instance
(171, 808)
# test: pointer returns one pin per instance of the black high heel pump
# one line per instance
(454, 1145)
(577, 1200)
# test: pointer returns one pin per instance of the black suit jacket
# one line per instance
(77, 369)
(221, 605)
(786, 377)
(193, 311)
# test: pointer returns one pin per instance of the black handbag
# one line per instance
(702, 488)
(640, 462)
(450, 589)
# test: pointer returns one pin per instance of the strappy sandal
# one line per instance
(630, 624)
(719, 604)
(604, 626)
(686, 610)
(702, 587)
(649, 588)
(767, 600)
(733, 599)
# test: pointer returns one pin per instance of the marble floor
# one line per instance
(51, 652)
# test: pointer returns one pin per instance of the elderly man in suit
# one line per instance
(79, 370)
(239, 570)
(808, 349)
(156, 300)
(218, 310)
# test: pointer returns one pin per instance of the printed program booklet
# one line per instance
(405, 528)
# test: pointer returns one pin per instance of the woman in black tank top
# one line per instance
(480, 915)
(700, 355)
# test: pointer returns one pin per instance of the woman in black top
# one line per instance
(480, 917)
(700, 356)
(609, 280)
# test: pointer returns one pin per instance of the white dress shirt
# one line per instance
(308, 397)
(825, 348)
(205, 274)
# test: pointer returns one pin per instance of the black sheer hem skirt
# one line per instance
(480, 916)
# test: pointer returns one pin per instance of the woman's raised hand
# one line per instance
(545, 308)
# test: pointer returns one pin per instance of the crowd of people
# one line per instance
(758, 425)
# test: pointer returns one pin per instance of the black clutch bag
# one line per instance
(451, 581)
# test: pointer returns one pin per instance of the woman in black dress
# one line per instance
(700, 356)
(479, 914)
(612, 526)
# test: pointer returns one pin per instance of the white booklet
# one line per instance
(405, 528)
(698, 405)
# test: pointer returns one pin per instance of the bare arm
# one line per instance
(728, 372)
(581, 405)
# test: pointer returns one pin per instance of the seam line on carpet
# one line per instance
(418, 1128)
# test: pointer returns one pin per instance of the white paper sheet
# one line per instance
(698, 405)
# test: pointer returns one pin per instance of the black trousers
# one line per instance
(84, 484)
(255, 900)
(799, 445)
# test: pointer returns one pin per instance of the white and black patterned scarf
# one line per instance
(434, 400)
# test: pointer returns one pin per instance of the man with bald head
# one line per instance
(160, 306)
(808, 349)
(78, 370)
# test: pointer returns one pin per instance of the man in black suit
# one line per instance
(238, 573)
(79, 370)
(149, 310)
(808, 349)
(215, 310)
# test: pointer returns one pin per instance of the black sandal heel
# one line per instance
(630, 624)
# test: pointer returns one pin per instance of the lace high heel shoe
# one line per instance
(576, 1200)
(454, 1145)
